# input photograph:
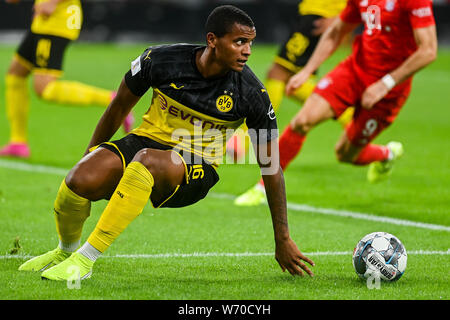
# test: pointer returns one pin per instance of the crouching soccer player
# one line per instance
(55, 24)
(199, 90)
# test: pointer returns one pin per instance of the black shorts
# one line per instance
(42, 51)
(200, 176)
(298, 48)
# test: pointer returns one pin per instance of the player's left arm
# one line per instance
(426, 40)
(287, 253)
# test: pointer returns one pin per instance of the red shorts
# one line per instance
(343, 87)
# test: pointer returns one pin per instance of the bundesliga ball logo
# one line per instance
(380, 254)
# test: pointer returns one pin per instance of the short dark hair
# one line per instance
(221, 20)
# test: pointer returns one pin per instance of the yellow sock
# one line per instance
(275, 90)
(71, 211)
(302, 93)
(127, 202)
(17, 106)
(72, 92)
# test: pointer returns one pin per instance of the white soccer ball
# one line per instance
(380, 254)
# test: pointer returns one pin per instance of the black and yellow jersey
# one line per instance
(64, 22)
(324, 8)
(196, 114)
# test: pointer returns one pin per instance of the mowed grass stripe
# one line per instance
(228, 254)
(35, 168)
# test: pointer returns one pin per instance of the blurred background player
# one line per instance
(313, 17)
(55, 24)
(399, 39)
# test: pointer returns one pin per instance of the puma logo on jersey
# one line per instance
(148, 55)
(173, 85)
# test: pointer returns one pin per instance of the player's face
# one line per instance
(234, 48)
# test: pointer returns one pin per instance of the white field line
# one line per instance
(21, 166)
(226, 254)
(366, 216)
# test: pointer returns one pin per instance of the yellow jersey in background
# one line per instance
(324, 8)
(65, 21)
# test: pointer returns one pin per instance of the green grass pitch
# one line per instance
(214, 250)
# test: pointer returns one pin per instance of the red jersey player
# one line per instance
(399, 39)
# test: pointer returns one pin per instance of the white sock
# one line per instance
(89, 251)
(260, 187)
(391, 154)
(69, 247)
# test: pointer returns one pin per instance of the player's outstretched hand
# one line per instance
(290, 258)
(296, 81)
(373, 93)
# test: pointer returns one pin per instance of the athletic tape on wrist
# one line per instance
(388, 81)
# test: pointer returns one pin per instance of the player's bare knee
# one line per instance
(144, 156)
(151, 159)
(40, 83)
(76, 183)
(84, 184)
(39, 87)
(164, 165)
(38, 91)
(17, 69)
(278, 72)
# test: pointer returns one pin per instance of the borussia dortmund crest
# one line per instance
(224, 103)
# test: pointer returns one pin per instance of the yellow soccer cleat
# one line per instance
(381, 170)
(75, 267)
(45, 261)
(252, 197)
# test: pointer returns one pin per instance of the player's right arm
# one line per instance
(328, 43)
